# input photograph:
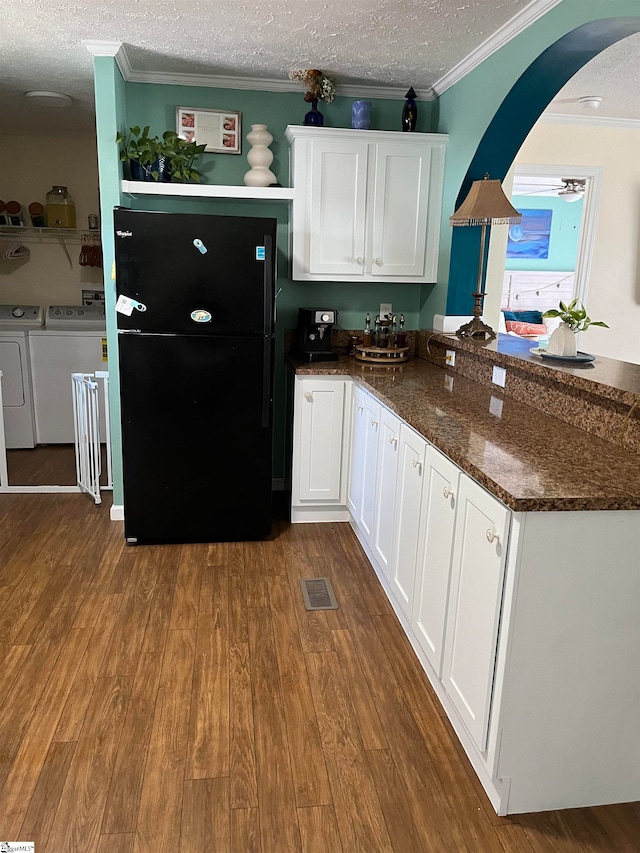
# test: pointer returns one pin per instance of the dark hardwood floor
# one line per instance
(180, 698)
(47, 465)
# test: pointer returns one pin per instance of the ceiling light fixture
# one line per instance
(590, 102)
(48, 99)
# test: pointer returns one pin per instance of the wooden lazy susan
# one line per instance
(376, 355)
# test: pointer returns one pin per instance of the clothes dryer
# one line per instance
(17, 390)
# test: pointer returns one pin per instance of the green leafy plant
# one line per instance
(181, 155)
(575, 316)
(150, 151)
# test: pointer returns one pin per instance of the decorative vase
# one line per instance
(314, 117)
(361, 115)
(259, 157)
(161, 166)
(562, 342)
(410, 111)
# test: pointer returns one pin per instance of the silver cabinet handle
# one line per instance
(378, 262)
(360, 408)
(447, 492)
(491, 536)
(308, 395)
(374, 422)
(393, 439)
(417, 463)
(360, 260)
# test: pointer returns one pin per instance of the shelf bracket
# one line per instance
(65, 250)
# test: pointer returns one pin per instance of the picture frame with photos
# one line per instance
(219, 130)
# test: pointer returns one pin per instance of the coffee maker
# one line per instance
(314, 334)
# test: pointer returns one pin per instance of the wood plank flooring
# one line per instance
(180, 698)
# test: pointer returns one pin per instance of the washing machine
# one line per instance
(72, 341)
(17, 395)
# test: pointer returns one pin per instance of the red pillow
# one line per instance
(526, 329)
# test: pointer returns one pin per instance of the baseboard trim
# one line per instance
(117, 512)
(315, 514)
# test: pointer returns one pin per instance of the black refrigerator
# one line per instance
(195, 317)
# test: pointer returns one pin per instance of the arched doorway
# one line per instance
(511, 124)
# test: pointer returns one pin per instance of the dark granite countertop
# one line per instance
(608, 377)
(529, 460)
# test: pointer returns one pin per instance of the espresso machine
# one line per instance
(314, 334)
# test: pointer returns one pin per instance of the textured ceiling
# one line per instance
(392, 43)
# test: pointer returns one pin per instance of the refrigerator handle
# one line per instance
(268, 285)
(266, 380)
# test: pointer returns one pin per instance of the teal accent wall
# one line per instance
(491, 110)
(110, 113)
(564, 238)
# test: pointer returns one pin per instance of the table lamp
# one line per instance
(486, 204)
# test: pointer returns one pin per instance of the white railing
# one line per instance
(86, 422)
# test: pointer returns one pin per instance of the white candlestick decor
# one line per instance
(259, 157)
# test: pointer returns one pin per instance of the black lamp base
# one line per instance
(476, 329)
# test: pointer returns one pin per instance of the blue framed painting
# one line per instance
(530, 239)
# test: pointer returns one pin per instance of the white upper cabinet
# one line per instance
(367, 204)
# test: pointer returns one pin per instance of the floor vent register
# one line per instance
(318, 594)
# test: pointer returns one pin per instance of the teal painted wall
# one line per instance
(110, 113)
(466, 110)
(564, 238)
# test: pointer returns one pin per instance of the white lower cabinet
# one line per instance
(384, 516)
(527, 624)
(320, 449)
(365, 420)
(411, 465)
(477, 571)
(439, 500)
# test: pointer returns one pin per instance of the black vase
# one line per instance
(410, 111)
(161, 166)
(314, 117)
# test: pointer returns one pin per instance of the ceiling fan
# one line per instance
(571, 189)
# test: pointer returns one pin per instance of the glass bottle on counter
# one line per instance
(367, 335)
(61, 211)
(393, 338)
(401, 337)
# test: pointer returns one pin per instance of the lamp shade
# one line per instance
(486, 204)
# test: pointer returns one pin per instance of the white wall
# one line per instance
(29, 167)
(613, 293)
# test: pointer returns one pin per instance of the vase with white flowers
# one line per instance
(574, 319)
(319, 87)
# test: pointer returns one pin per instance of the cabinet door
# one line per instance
(411, 463)
(399, 211)
(385, 491)
(372, 423)
(439, 498)
(321, 412)
(479, 551)
(337, 207)
(358, 442)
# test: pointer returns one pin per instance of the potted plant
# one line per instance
(574, 319)
(153, 159)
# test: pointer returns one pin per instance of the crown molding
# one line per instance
(115, 49)
(265, 84)
(591, 120)
(527, 16)
(118, 50)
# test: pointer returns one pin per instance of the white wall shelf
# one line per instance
(138, 188)
(28, 234)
